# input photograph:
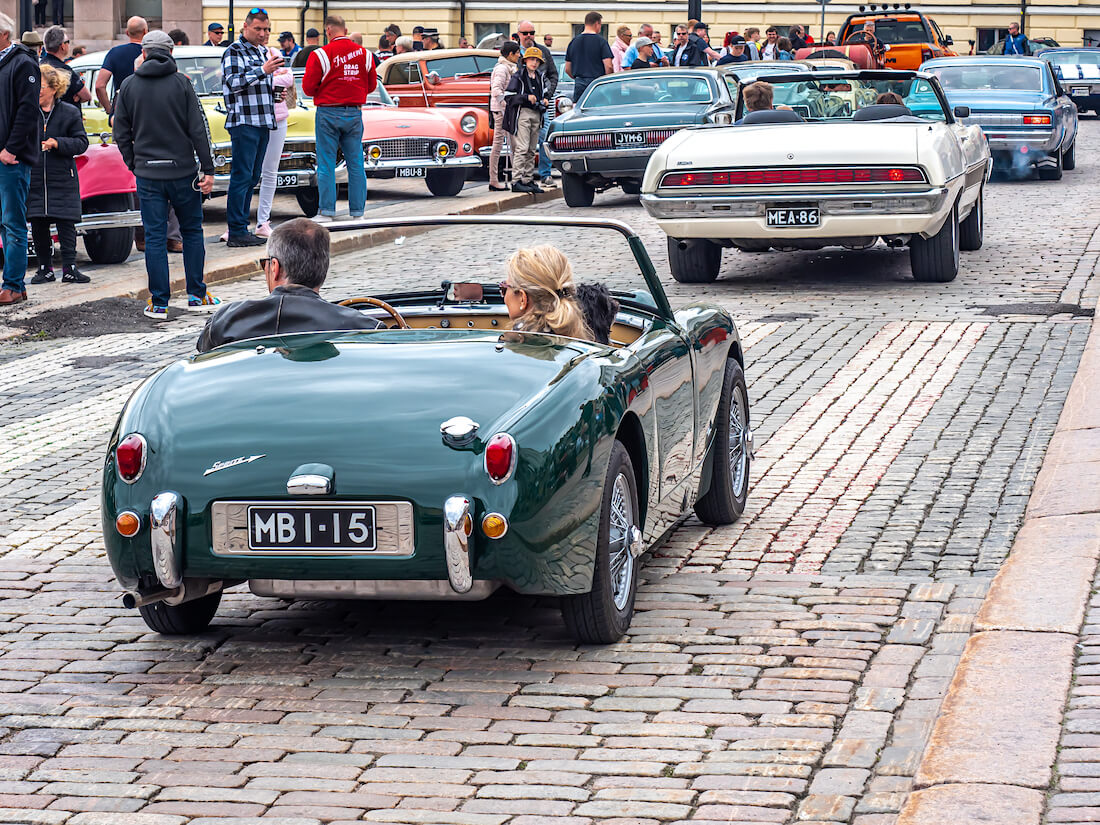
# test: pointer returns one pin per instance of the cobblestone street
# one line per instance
(787, 668)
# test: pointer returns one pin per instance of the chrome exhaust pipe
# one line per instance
(187, 592)
(132, 598)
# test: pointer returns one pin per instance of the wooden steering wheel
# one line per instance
(375, 302)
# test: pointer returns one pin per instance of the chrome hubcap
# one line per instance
(620, 533)
(740, 441)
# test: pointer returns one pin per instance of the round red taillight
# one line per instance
(130, 457)
(896, 174)
(500, 457)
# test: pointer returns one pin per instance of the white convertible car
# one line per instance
(827, 167)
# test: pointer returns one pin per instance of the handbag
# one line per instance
(290, 96)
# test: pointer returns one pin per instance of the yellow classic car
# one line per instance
(202, 64)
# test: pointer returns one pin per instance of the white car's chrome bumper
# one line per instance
(409, 163)
(841, 215)
(108, 220)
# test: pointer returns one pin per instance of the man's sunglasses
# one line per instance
(528, 33)
(258, 10)
(265, 261)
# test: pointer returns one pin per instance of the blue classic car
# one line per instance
(1025, 113)
(1078, 70)
(607, 138)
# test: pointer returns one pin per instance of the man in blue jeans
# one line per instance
(20, 127)
(339, 77)
(249, 96)
(159, 128)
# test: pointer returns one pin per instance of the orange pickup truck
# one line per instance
(903, 37)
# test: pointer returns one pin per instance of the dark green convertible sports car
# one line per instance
(440, 456)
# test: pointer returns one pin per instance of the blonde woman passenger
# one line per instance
(540, 294)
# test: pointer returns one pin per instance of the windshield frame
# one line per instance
(862, 75)
(637, 247)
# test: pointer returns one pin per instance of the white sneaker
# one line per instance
(264, 230)
(225, 236)
(319, 218)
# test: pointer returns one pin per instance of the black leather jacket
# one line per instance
(286, 309)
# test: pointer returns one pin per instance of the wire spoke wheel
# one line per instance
(618, 544)
(739, 450)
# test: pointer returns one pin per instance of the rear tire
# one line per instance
(577, 193)
(1069, 157)
(181, 619)
(445, 183)
(632, 187)
(730, 455)
(697, 263)
(309, 200)
(936, 259)
(603, 615)
(1052, 172)
(972, 230)
(108, 246)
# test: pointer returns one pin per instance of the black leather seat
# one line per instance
(882, 111)
(771, 116)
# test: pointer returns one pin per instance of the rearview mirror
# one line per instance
(467, 292)
(433, 78)
(962, 112)
(564, 104)
(948, 40)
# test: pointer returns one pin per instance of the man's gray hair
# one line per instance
(7, 25)
(53, 39)
(302, 247)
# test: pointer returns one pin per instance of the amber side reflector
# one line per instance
(128, 524)
(494, 525)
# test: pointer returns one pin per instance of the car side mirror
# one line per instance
(961, 112)
(433, 78)
(948, 40)
(396, 100)
(564, 104)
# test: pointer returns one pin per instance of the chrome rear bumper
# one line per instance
(409, 590)
(109, 220)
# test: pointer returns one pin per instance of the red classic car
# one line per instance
(444, 78)
(107, 199)
(437, 145)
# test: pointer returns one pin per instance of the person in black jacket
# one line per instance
(20, 125)
(159, 128)
(524, 102)
(54, 196)
(295, 267)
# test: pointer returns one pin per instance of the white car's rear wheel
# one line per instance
(972, 230)
(936, 259)
(694, 260)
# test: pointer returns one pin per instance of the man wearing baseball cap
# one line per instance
(645, 59)
(737, 53)
(214, 35)
(159, 128)
(287, 46)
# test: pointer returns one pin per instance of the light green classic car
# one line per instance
(440, 456)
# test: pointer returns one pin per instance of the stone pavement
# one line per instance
(788, 668)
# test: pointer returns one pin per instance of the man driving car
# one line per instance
(295, 267)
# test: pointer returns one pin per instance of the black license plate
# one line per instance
(410, 171)
(626, 140)
(302, 527)
(793, 216)
(286, 181)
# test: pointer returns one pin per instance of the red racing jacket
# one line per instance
(340, 74)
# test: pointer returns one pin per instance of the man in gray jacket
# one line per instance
(160, 127)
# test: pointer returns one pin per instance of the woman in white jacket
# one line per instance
(498, 82)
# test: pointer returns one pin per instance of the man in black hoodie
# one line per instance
(20, 136)
(160, 127)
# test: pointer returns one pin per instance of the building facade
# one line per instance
(97, 23)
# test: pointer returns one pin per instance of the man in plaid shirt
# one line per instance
(249, 95)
